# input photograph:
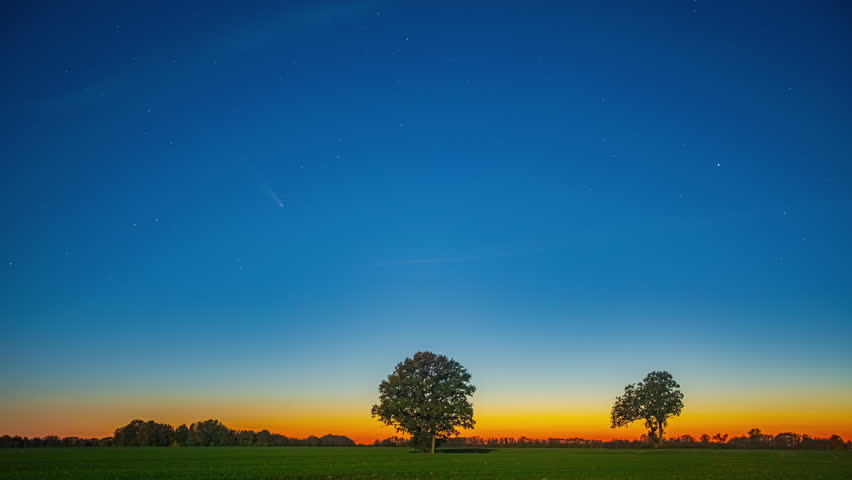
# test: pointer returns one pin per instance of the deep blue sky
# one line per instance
(653, 185)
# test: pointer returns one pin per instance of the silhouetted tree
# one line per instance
(210, 433)
(51, 441)
(787, 440)
(182, 435)
(654, 399)
(427, 397)
(392, 442)
(335, 441)
(263, 439)
(758, 440)
(139, 433)
(246, 438)
(279, 440)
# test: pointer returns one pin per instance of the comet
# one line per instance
(273, 196)
(265, 188)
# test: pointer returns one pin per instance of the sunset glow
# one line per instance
(254, 213)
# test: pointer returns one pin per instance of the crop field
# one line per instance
(400, 463)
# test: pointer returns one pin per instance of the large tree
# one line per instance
(654, 399)
(426, 397)
(211, 433)
(139, 433)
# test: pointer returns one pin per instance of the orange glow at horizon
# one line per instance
(98, 420)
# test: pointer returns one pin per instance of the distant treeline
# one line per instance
(213, 433)
(208, 433)
(753, 439)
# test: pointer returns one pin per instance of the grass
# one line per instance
(400, 463)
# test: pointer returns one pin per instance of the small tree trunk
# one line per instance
(433, 443)
(660, 436)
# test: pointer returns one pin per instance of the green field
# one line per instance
(400, 463)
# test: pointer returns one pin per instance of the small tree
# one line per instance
(427, 397)
(654, 399)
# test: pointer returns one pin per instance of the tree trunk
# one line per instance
(660, 435)
(433, 443)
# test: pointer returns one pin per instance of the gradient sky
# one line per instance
(254, 212)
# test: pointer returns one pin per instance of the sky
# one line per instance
(254, 212)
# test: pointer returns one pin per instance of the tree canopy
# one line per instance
(426, 396)
(139, 433)
(209, 433)
(654, 399)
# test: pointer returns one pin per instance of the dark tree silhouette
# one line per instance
(139, 433)
(787, 440)
(427, 397)
(246, 438)
(781, 441)
(836, 442)
(654, 399)
(758, 439)
(182, 435)
(263, 439)
(210, 433)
